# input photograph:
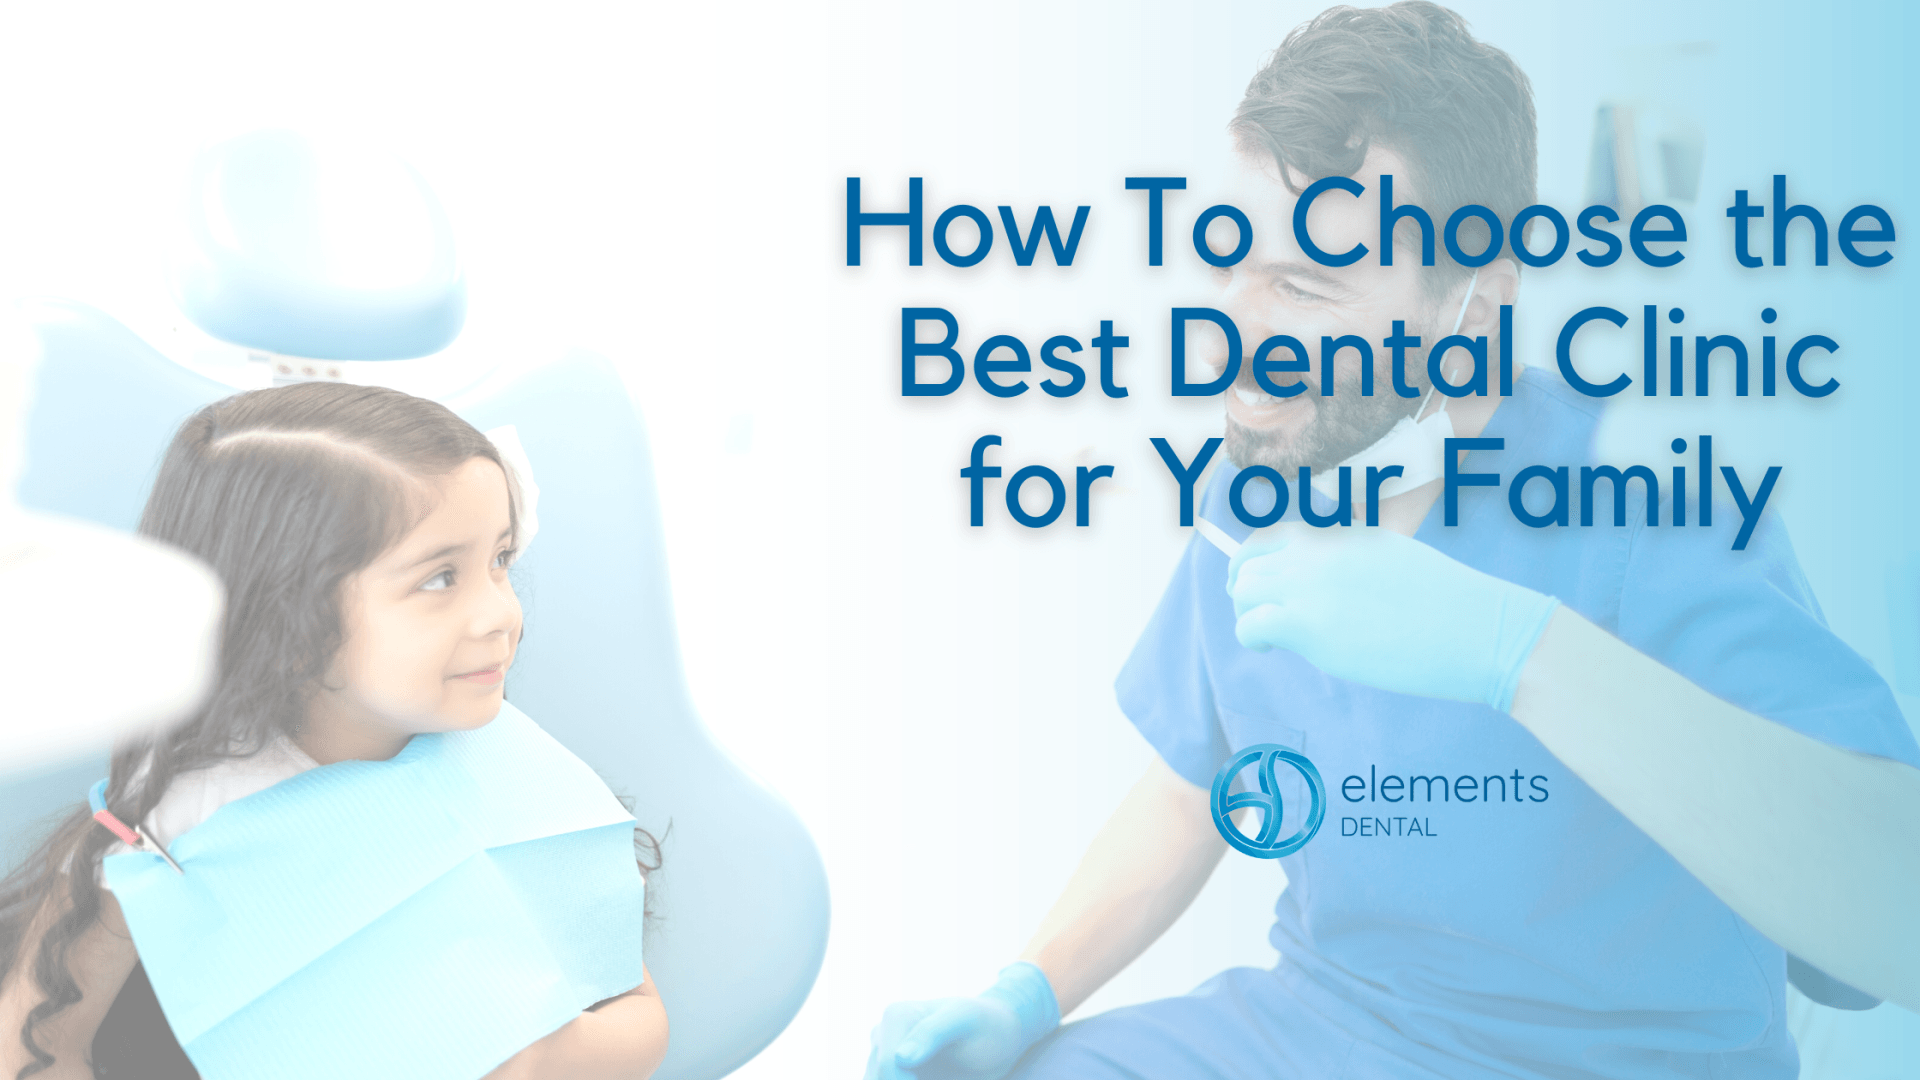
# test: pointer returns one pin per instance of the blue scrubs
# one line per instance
(1470, 908)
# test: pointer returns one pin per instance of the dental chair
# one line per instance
(741, 898)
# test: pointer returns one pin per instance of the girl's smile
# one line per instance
(487, 676)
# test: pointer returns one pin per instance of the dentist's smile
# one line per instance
(1254, 408)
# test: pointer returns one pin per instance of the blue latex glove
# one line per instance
(976, 1038)
(1384, 609)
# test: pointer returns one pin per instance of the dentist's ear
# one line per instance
(1497, 283)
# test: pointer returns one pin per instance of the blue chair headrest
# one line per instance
(317, 249)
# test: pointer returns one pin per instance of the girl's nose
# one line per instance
(496, 608)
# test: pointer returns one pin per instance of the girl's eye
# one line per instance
(439, 581)
(504, 559)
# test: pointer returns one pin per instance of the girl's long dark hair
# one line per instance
(285, 493)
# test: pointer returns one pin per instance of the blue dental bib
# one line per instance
(425, 917)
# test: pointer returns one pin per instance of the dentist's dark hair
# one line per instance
(285, 493)
(1413, 78)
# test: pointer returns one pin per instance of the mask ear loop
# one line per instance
(1459, 318)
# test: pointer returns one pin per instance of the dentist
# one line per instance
(1722, 793)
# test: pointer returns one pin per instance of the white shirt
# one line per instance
(197, 793)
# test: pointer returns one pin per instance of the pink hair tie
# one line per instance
(135, 837)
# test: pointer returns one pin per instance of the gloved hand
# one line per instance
(1384, 609)
(977, 1038)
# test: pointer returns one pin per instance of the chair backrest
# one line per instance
(742, 897)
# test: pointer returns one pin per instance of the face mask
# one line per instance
(1417, 446)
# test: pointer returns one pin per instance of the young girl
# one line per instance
(363, 537)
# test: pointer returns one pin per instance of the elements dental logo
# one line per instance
(1265, 844)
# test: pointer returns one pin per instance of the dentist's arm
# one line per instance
(1137, 876)
(1812, 844)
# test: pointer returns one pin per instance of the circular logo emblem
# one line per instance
(1266, 844)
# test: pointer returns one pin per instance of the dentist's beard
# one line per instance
(1343, 425)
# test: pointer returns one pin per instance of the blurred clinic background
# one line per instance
(664, 185)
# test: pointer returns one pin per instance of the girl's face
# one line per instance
(430, 628)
